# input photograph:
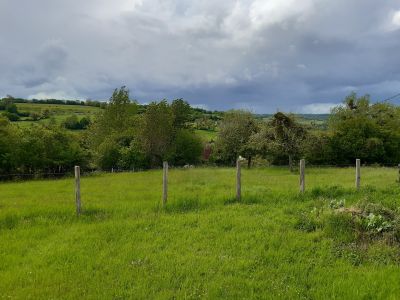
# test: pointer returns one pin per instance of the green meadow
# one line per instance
(57, 108)
(207, 135)
(273, 244)
(58, 112)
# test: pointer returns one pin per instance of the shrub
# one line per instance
(188, 147)
(13, 117)
(73, 123)
(336, 204)
(34, 116)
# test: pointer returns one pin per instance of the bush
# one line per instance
(35, 116)
(13, 117)
(108, 155)
(11, 108)
(84, 123)
(73, 123)
(188, 148)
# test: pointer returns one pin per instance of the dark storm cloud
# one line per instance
(47, 64)
(261, 55)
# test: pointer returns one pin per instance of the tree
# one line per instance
(114, 129)
(234, 133)
(49, 149)
(119, 111)
(9, 137)
(156, 132)
(188, 147)
(71, 122)
(133, 157)
(119, 116)
(181, 111)
(108, 154)
(317, 148)
(288, 136)
(363, 130)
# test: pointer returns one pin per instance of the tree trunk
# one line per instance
(290, 163)
(249, 162)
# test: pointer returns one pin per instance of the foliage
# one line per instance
(288, 136)
(113, 130)
(188, 147)
(376, 223)
(73, 123)
(181, 111)
(126, 135)
(336, 204)
(8, 144)
(11, 116)
(156, 132)
(318, 148)
(38, 149)
(363, 130)
(234, 134)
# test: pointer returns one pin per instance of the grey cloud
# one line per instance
(256, 54)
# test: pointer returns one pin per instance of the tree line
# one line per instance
(355, 129)
(87, 102)
(125, 135)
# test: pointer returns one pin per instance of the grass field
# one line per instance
(207, 135)
(58, 112)
(57, 108)
(203, 245)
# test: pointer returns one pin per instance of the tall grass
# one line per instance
(204, 244)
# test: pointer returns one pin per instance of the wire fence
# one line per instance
(91, 172)
(300, 168)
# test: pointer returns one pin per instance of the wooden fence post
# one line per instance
(358, 174)
(165, 183)
(78, 189)
(238, 180)
(302, 175)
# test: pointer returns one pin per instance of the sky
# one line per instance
(261, 55)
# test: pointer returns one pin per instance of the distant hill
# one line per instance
(31, 111)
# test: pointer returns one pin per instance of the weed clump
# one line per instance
(308, 223)
(370, 221)
(355, 229)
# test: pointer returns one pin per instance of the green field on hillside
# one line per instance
(207, 135)
(58, 112)
(272, 245)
